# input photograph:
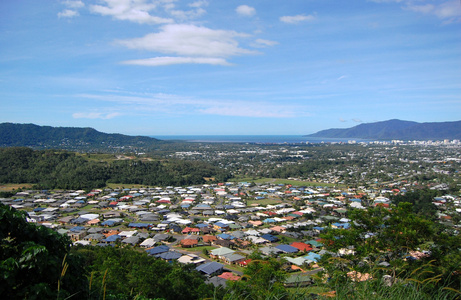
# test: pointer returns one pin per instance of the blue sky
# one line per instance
(166, 67)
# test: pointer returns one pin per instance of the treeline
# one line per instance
(55, 169)
(38, 263)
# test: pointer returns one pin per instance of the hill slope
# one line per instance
(396, 129)
(30, 135)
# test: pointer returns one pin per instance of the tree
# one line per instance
(32, 259)
(262, 279)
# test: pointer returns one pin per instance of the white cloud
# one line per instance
(245, 10)
(195, 12)
(94, 115)
(130, 10)
(342, 120)
(179, 105)
(68, 13)
(357, 120)
(190, 40)
(199, 3)
(297, 19)
(264, 43)
(167, 60)
(449, 11)
(73, 4)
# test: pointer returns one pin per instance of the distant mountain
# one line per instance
(70, 138)
(396, 130)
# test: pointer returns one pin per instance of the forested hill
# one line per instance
(70, 138)
(396, 130)
(58, 169)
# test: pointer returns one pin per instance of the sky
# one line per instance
(225, 67)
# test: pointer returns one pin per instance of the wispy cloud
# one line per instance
(297, 19)
(449, 11)
(73, 4)
(357, 120)
(68, 13)
(95, 115)
(245, 10)
(179, 105)
(259, 43)
(196, 10)
(168, 60)
(138, 11)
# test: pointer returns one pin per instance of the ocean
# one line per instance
(254, 139)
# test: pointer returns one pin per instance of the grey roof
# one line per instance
(169, 255)
(210, 268)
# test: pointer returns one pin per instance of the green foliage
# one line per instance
(421, 200)
(123, 273)
(389, 235)
(31, 259)
(60, 169)
(262, 279)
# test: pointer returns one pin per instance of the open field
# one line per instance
(8, 187)
(284, 181)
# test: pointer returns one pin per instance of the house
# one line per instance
(188, 243)
(132, 240)
(269, 237)
(298, 280)
(208, 239)
(191, 259)
(287, 248)
(229, 276)
(158, 250)
(301, 246)
(220, 252)
(233, 258)
(169, 255)
(148, 243)
(210, 268)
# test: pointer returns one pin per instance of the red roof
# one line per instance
(301, 246)
(229, 276)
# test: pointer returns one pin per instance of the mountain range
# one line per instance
(396, 130)
(73, 138)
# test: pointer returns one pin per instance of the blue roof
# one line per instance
(287, 248)
(169, 255)
(220, 224)
(201, 225)
(109, 223)
(269, 220)
(158, 250)
(112, 238)
(313, 256)
(270, 237)
(139, 225)
(77, 228)
(39, 209)
(210, 268)
(225, 236)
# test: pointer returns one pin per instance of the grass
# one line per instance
(125, 186)
(8, 187)
(268, 201)
(283, 181)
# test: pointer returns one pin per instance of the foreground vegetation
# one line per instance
(38, 263)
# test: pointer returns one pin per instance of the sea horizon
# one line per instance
(255, 139)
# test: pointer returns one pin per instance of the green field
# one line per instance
(283, 181)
